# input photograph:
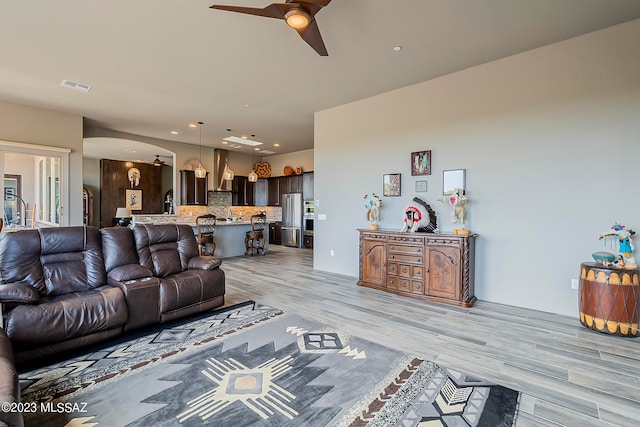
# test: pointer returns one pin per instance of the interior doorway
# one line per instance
(34, 185)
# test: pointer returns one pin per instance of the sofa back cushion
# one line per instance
(165, 249)
(55, 261)
(118, 247)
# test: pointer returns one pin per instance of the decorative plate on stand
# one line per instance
(263, 169)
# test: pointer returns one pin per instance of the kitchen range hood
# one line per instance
(220, 160)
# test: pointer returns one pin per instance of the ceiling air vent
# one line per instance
(75, 85)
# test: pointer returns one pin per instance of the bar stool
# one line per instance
(254, 239)
(206, 225)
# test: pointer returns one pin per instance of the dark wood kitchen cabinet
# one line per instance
(193, 191)
(275, 233)
(242, 191)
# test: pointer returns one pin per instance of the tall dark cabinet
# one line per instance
(193, 190)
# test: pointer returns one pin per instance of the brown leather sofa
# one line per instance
(67, 287)
(9, 386)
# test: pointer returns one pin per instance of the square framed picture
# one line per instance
(391, 184)
(134, 199)
(421, 186)
(421, 163)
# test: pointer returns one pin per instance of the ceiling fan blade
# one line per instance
(271, 11)
(321, 3)
(312, 36)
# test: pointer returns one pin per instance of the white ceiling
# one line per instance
(156, 66)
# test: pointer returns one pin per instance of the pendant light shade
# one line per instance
(200, 172)
(253, 176)
(228, 173)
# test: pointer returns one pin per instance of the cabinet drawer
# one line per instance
(412, 259)
(406, 249)
(374, 236)
(417, 287)
(407, 239)
(392, 282)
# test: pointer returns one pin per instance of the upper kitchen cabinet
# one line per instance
(307, 185)
(242, 191)
(193, 191)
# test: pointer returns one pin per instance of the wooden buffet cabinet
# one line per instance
(434, 267)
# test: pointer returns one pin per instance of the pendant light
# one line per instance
(253, 176)
(228, 174)
(200, 172)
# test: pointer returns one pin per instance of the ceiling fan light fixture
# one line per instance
(297, 18)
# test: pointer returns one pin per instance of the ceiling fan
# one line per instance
(158, 162)
(298, 14)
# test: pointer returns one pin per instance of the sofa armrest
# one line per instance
(204, 263)
(9, 388)
(128, 272)
(18, 293)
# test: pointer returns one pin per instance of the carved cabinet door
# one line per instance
(374, 262)
(443, 272)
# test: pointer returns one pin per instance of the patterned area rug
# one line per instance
(255, 365)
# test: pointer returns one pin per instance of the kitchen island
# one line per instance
(229, 235)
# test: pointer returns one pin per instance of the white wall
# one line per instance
(30, 125)
(549, 139)
(303, 159)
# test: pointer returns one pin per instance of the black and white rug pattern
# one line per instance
(254, 365)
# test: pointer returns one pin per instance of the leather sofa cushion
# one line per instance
(54, 260)
(118, 247)
(165, 249)
(58, 318)
(190, 287)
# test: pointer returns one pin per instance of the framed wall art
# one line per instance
(452, 180)
(421, 186)
(421, 163)
(391, 184)
(134, 199)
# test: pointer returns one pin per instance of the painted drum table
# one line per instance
(610, 299)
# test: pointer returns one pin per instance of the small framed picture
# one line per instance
(9, 194)
(134, 199)
(421, 163)
(421, 186)
(391, 184)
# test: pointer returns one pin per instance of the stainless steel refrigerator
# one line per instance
(292, 219)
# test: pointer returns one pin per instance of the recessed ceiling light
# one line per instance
(174, 132)
(397, 48)
(225, 142)
(276, 145)
(244, 137)
(193, 125)
(256, 149)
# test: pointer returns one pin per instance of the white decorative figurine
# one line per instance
(458, 200)
(419, 217)
(134, 177)
(372, 207)
(619, 234)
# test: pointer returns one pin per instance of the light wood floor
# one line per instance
(568, 375)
